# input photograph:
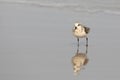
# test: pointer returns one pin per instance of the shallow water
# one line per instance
(37, 43)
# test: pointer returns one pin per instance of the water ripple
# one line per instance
(110, 7)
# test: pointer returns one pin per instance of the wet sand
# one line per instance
(37, 43)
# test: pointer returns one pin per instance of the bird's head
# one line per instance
(77, 24)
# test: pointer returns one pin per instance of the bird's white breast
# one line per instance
(79, 33)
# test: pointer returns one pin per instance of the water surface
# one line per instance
(37, 43)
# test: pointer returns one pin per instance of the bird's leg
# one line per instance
(86, 49)
(78, 42)
(86, 41)
(78, 48)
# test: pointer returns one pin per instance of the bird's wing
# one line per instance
(87, 30)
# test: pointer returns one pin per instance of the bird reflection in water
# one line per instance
(79, 60)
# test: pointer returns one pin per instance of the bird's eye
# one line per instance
(75, 27)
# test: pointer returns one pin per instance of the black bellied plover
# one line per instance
(80, 31)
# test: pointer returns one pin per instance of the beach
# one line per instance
(36, 42)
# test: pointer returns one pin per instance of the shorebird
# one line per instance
(81, 31)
